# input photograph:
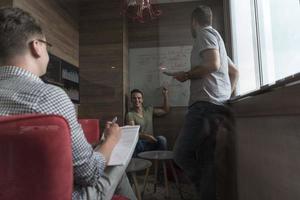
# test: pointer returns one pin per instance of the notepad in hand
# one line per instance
(170, 73)
(123, 151)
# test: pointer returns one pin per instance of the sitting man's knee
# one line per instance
(162, 142)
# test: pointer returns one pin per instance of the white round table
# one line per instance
(138, 164)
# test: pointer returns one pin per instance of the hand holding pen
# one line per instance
(112, 131)
(114, 120)
(110, 137)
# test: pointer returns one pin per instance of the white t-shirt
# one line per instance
(215, 87)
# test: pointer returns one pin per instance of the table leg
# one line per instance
(176, 178)
(138, 193)
(155, 174)
(145, 181)
(166, 178)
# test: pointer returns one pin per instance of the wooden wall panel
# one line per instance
(268, 157)
(125, 68)
(268, 144)
(280, 101)
(61, 29)
(102, 60)
(6, 3)
(71, 7)
(170, 125)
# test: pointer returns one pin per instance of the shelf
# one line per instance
(64, 75)
(68, 82)
(70, 75)
(65, 79)
(53, 82)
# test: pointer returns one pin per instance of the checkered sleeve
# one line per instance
(88, 165)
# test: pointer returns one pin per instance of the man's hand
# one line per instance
(181, 76)
(148, 137)
(112, 132)
(112, 136)
(165, 91)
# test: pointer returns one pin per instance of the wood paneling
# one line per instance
(125, 68)
(71, 7)
(276, 102)
(268, 157)
(170, 125)
(268, 144)
(60, 28)
(6, 3)
(103, 64)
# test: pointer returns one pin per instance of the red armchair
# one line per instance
(91, 129)
(35, 157)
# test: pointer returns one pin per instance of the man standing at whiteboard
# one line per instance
(213, 79)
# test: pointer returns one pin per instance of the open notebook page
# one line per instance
(125, 147)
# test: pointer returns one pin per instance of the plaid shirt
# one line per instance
(23, 92)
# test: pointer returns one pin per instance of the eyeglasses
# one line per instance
(48, 45)
(45, 42)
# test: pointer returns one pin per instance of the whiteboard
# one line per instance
(145, 73)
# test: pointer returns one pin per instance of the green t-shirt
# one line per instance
(145, 122)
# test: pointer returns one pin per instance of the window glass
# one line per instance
(279, 33)
(266, 41)
(243, 34)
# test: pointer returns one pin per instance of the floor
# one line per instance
(149, 194)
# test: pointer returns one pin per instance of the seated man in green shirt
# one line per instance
(143, 116)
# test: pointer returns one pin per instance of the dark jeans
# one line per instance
(143, 145)
(194, 149)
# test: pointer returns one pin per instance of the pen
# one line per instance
(114, 120)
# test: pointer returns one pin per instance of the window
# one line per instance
(243, 30)
(266, 35)
(279, 31)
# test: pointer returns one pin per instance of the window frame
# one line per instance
(257, 44)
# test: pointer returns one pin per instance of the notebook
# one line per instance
(124, 149)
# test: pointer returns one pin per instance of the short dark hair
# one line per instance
(16, 28)
(203, 15)
(136, 91)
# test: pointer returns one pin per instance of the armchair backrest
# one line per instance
(35, 157)
(91, 129)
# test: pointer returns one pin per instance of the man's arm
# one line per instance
(211, 63)
(166, 106)
(112, 134)
(233, 75)
(88, 165)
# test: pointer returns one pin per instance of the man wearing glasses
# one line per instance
(23, 59)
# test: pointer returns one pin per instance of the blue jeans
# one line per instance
(144, 145)
(194, 148)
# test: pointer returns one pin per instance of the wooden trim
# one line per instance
(6, 3)
(279, 101)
